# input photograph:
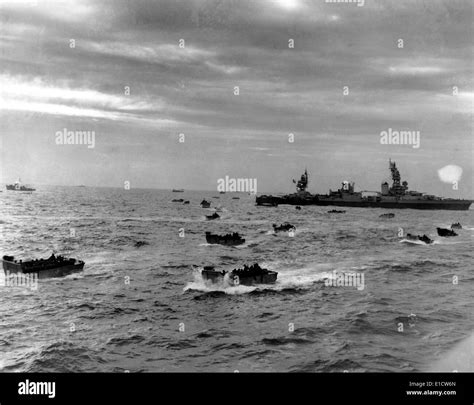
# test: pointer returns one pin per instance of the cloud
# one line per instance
(416, 70)
(150, 54)
(243, 43)
(35, 95)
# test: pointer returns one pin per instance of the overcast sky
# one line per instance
(48, 85)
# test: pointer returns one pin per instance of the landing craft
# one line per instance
(44, 268)
(395, 196)
(248, 275)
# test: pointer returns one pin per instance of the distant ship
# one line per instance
(17, 186)
(396, 196)
(180, 190)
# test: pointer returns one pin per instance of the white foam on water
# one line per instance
(72, 276)
(303, 230)
(303, 277)
(299, 277)
(149, 219)
(229, 219)
(419, 242)
(459, 359)
(244, 245)
(199, 284)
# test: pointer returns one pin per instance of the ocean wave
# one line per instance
(63, 357)
(125, 340)
(285, 340)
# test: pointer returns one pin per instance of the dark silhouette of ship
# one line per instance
(213, 216)
(395, 196)
(248, 275)
(286, 227)
(17, 186)
(44, 268)
(230, 239)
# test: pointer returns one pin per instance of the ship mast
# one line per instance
(302, 183)
(397, 188)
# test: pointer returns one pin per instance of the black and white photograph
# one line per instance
(236, 186)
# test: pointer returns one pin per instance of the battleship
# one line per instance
(395, 196)
(17, 186)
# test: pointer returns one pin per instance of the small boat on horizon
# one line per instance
(179, 190)
(213, 216)
(388, 215)
(17, 186)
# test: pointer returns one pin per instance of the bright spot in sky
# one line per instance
(450, 174)
(288, 4)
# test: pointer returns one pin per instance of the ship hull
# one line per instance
(62, 271)
(453, 205)
(22, 188)
(218, 277)
(218, 240)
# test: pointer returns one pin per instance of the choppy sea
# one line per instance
(144, 307)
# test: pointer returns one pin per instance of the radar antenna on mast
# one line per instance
(302, 183)
(397, 188)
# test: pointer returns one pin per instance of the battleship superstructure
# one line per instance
(395, 196)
